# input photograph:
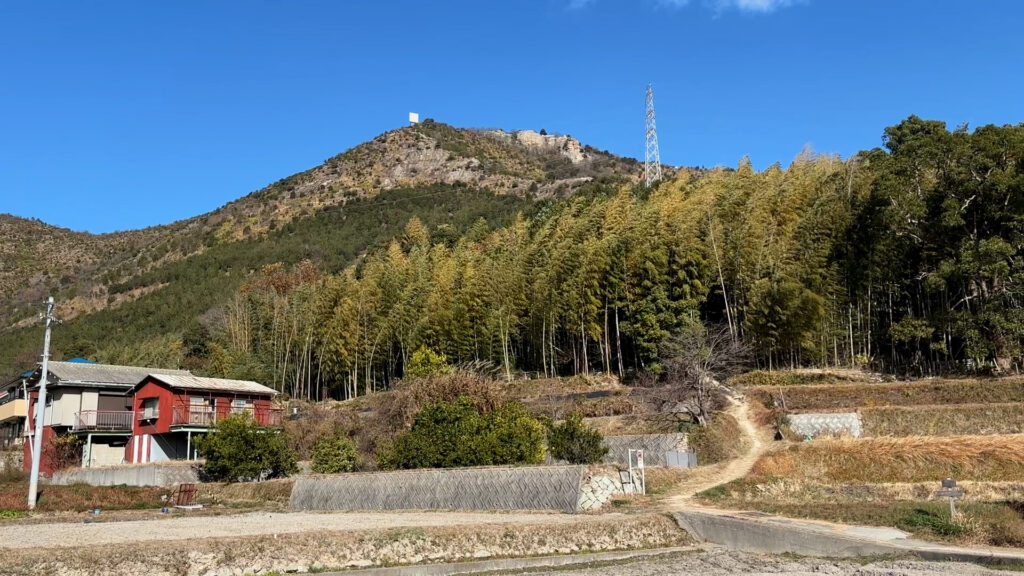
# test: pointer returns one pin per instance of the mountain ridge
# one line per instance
(80, 267)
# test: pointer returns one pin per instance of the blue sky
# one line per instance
(117, 115)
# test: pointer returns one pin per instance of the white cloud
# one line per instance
(762, 6)
(751, 6)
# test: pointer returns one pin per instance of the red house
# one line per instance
(169, 409)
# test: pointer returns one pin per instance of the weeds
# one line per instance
(851, 396)
(718, 441)
(911, 459)
(956, 420)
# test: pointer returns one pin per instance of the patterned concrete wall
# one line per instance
(814, 425)
(654, 446)
(136, 475)
(527, 488)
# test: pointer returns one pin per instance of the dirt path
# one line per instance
(711, 476)
(65, 534)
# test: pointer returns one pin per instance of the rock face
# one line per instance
(565, 145)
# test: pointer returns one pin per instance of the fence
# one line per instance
(104, 420)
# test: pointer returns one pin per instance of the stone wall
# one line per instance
(597, 490)
(12, 459)
(520, 488)
(813, 425)
(159, 474)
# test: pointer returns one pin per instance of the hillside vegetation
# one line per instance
(907, 258)
(79, 268)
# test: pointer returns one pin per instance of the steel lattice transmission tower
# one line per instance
(652, 157)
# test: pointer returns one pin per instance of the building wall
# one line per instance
(161, 424)
(46, 465)
(170, 399)
(105, 454)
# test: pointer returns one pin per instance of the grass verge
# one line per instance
(720, 440)
(79, 498)
(841, 397)
(972, 419)
(980, 523)
(910, 459)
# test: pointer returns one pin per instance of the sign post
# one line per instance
(951, 491)
(639, 456)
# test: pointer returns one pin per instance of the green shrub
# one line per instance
(575, 443)
(425, 362)
(454, 434)
(333, 454)
(237, 449)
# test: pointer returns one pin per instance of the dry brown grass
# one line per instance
(81, 497)
(810, 492)
(720, 440)
(910, 459)
(956, 420)
(247, 494)
(846, 397)
(633, 424)
(801, 377)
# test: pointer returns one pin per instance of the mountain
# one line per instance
(537, 255)
(345, 205)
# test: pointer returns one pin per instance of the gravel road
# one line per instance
(67, 534)
(722, 563)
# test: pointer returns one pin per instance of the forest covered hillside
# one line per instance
(88, 272)
(905, 257)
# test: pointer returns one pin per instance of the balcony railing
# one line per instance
(109, 420)
(206, 416)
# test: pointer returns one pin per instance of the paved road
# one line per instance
(721, 563)
(65, 534)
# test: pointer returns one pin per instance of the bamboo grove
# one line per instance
(907, 258)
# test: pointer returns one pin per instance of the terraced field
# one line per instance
(913, 435)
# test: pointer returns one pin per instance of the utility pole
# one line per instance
(37, 440)
(652, 157)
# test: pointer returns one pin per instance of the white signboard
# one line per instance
(414, 118)
(640, 459)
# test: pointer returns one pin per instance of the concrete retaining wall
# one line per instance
(814, 425)
(13, 459)
(654, 446)
(775, 536)
(137, 475)
(526, 488)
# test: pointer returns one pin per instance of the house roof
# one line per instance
(101, 374)
(190, 382)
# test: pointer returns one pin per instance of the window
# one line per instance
(200, 411)
(199, 402)
(239, 405)
(150, 409)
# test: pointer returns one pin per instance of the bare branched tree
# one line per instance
(696, 360)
